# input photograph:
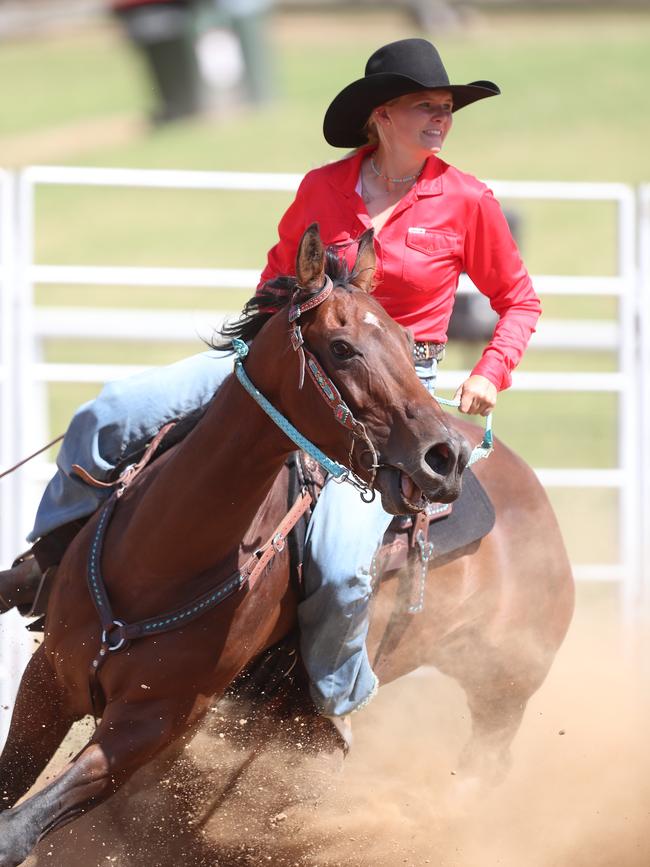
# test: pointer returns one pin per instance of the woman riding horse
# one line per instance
(431, 222)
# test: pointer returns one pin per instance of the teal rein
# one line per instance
(486, 447)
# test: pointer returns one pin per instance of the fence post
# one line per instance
(29, 432)
(629, 414)
(15, 643)
(7, 446)
(643, 302)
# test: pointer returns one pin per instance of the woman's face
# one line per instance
(417, 122)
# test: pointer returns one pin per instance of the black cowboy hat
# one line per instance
(396, 69)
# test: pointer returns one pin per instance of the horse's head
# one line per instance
(398, 438)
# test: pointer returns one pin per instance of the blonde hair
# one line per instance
(371, 129)
(371, 134)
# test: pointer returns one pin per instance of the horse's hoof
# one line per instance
(463, 797)
(343, 728)
(14, 848)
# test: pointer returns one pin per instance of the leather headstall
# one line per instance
(325, 386)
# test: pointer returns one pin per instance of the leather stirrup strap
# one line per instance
(255, 565)
(129, 474)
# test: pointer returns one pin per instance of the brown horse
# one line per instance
(495, 613)
(176, 533)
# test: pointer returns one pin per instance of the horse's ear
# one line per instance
(310, 263)
(364, 266)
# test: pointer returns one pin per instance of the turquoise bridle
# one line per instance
(334, 468)
(327, 390)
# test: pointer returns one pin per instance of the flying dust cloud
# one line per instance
(577, 795)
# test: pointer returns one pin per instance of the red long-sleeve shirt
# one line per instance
(447, 223)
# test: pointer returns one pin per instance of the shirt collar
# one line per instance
(430, 181)
(428, 184)
(346, 182)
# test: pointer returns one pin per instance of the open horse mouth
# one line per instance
(400, 495)
(411, 495)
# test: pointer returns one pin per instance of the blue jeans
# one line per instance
(342, 537)
(125, 415)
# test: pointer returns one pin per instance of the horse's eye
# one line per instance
(341, 350)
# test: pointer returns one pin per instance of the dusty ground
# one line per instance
(578, 794)
(579, 790)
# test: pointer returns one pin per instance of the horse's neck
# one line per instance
(198, 506)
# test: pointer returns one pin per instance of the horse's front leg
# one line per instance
(129, 735)
(23, 826)
(39, 723)
(486, 757)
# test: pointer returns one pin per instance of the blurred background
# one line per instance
(241, 86)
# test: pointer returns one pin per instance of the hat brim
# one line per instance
(348, 112)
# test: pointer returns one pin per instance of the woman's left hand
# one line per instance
(477, 395)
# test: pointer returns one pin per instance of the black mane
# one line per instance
(274, 296)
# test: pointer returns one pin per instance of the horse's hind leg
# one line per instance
(38, 725)
(129, 735)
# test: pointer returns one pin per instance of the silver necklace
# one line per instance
(395, 180)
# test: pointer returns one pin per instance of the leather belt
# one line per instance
(423, 350)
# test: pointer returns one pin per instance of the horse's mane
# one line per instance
(274, 296)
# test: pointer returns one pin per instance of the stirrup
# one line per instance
(5, 605)
(38, 606)
(36, 588)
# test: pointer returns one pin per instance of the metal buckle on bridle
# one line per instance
(106, 637)
(366, 492)
(297, 340)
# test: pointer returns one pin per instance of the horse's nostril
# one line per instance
(464, 454)
(441, 459)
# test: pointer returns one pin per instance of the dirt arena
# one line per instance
(578, 794)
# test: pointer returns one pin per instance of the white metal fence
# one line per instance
(25, 326)
(36, 324)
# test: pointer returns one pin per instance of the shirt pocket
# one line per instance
(428, 252)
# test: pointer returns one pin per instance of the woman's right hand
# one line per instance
(477, 395)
